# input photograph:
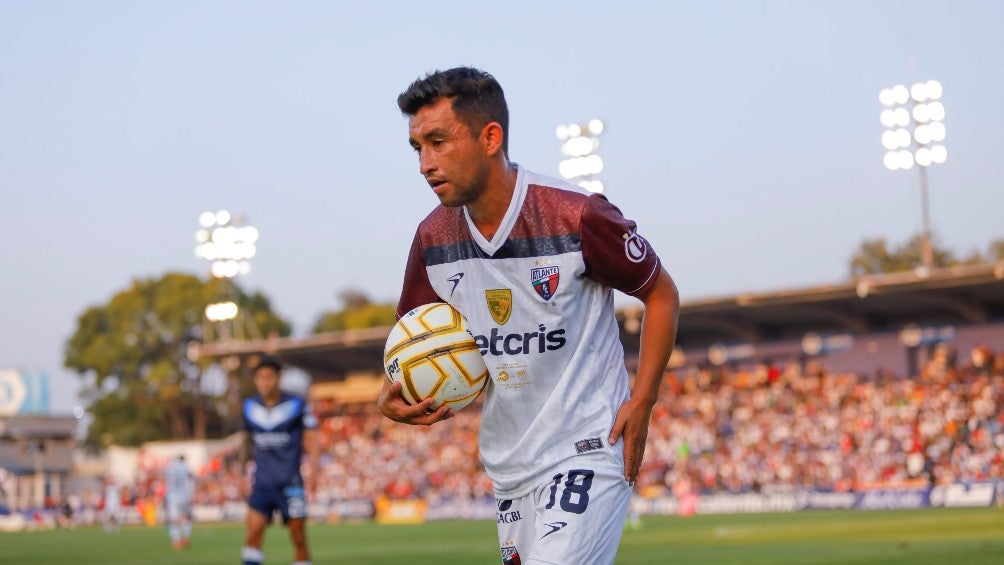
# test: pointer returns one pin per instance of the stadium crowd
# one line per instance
(760, 428)
(729, 430)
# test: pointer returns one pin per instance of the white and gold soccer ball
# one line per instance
(431, 352)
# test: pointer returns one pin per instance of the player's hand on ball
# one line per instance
(393, 406)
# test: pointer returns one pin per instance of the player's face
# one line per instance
(266, 380)
(451, 157)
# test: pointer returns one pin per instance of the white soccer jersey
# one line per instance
(179, 481)
(538, 299)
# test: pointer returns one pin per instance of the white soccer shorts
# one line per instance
(178, 508)
(574, 517)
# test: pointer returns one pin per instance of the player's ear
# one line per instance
(492, 137)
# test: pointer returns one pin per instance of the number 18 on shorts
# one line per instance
(296, 503)
(576, 517)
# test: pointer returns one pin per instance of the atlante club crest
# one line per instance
(509, 555)
(545, 281)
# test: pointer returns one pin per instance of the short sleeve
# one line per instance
(309, 420)
(416, 290)
(614, 253)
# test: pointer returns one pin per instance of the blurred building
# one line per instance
(37, 454)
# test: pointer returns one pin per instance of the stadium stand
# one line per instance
(885, 384)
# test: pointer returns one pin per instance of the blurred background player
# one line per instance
(178, 501)
(112, 516)
(281, 428)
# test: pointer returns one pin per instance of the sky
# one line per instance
(743, 138)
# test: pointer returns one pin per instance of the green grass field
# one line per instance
(955, 536)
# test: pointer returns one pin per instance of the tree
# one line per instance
(995, 252)
(132, 353)
(875, 256)
(357, 312)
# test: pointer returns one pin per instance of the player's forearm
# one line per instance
(658, 334)
(310, 445)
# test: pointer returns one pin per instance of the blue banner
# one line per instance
(23, 393)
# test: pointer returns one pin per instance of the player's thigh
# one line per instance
(173, 509)
(580, 515)
(255, 524)
(266, 500)
(515, 523)
(261, 505)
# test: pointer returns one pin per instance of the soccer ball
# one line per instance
(431, 352)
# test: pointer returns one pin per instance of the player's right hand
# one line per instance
(393, 405)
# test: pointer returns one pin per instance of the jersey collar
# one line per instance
(508, 221)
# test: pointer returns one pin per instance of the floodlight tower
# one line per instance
(581, 163)
(914, 122)
(228, 245)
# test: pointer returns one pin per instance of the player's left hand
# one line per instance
(632, 424)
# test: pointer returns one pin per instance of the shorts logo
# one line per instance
(553, 527)
(591, 444)
(545, 281)
(510, 556)
(635, 247)
(499, 304)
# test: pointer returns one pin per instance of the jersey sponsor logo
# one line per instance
(511, 376)
(499, 304)
(266, 440)
(590, 444)
(503, 504)
(508, 517)
(509, 555)
(553, 527)
(455, 279)
(545, 280)
(635, 247)
(521, 343)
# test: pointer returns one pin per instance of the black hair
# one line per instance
(477, 98)
(267, 361)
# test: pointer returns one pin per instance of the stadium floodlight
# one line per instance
(221, 311)
(228, 244)
(579, 145)
(919, 108)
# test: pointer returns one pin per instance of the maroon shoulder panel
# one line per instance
(443, 226)
(614, 254)
(548, 211)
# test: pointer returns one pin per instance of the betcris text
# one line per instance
(520, 343)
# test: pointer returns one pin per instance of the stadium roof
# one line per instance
(971, 294)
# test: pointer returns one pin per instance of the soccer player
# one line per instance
(180, 487)
(532, 263)
(112, 518)
(281, 427)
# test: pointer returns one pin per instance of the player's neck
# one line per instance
(272, 399)
(487, 212)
